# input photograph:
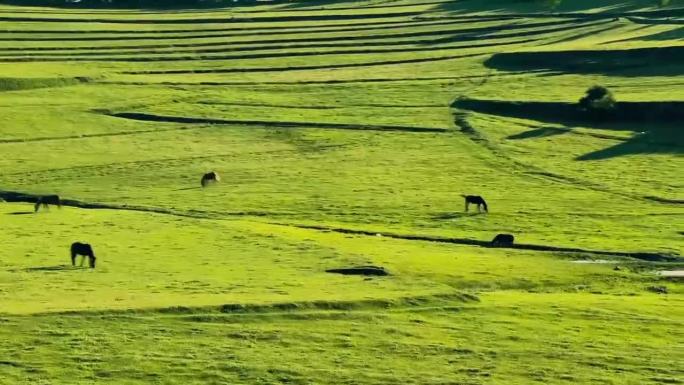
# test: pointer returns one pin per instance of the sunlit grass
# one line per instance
(225, 285)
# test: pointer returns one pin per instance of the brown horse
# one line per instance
(46, 200)
(83, 249)
(210, 177)
(476, 200)
(503, 240)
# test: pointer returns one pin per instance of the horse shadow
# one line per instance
(53, 268)
(21, 213)
(453, 215)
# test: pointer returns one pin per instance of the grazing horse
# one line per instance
(503, 240)
(476, 200)
(83, 249)
(210, 177)
(46, 200)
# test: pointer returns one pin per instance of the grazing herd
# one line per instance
(85, 250)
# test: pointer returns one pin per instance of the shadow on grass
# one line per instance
(654, 61)
(453, 215)
(323, 3)
(54, 268)
(657, 125)
(588, 8)
(159, 5)
(21, 213)
(504, 31)
(508, 6)
(673, 34)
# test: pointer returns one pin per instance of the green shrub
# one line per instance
(597, 99)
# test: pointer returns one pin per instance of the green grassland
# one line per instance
(336, 129)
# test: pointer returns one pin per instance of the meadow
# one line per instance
(345, 133)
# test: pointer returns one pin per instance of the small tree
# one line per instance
(598, 99)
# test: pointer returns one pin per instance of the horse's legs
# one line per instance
(73, 259)
(91, 260)
(83, 257)
(466, 205)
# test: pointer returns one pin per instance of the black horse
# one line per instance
(83, 249)
(210, 177)
(503, 240)
(476, 200)
(46, 200)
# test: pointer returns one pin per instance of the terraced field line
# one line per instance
(280, 308)
(302, 68)
(160, 161)
(87, 136)
(306, 82)
(144, 59)
(218, 20)
(13, 196)
(281, 42)
(647, 256)
(339, 126)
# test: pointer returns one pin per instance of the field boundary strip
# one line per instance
(278, 308)
(646, 256)
(13, 196)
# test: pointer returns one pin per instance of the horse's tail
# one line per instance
(485, 205)
(203, 181)
(73, 254)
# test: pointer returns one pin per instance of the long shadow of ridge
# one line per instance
(654, 61)
(657, 125)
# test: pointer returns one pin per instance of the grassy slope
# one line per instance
(528, 317)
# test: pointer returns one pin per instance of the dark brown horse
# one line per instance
(476, 200)
(83, 249)
(46, 200)
(210, 177)
(503, 240)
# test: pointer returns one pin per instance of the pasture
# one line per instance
(344, 133)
